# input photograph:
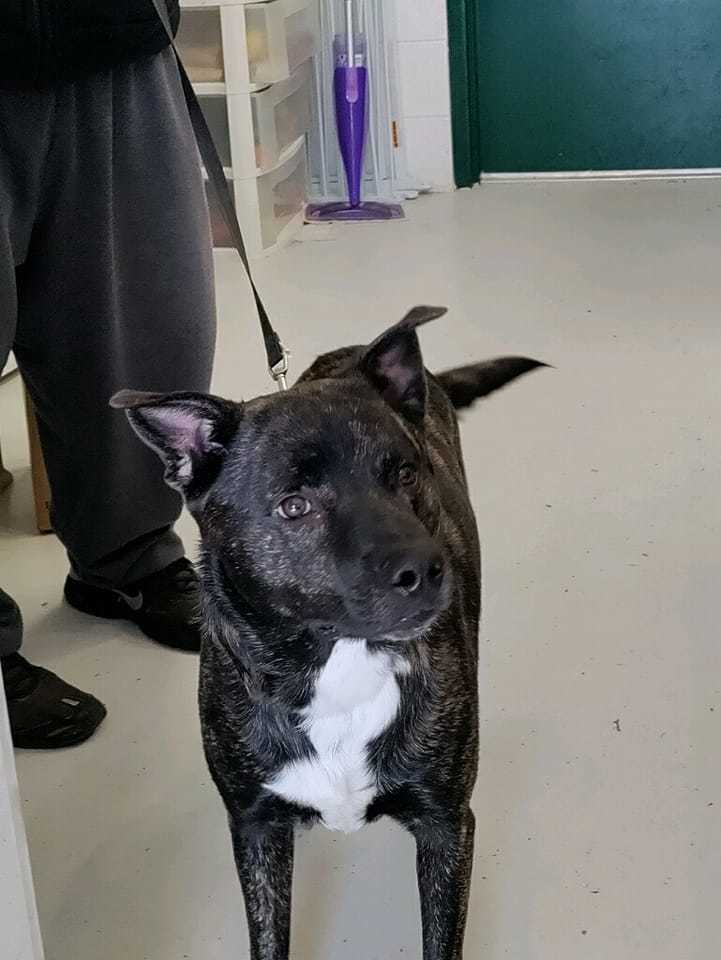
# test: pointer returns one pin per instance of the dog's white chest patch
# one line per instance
(356, 698)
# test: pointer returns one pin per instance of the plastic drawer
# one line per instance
(279, 35)
(282, 114)
(270, 205)
(265, 125)
(215, 110)
(200, 43)
(246, 46)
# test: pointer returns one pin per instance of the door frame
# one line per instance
(463, 53)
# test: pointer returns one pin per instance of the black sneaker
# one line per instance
(45, 712)
(164, 605)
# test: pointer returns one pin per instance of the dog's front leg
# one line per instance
(264, 858)
(444, 861)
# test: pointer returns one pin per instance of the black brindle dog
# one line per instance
(341, 575)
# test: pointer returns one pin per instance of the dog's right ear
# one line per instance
(190, 433)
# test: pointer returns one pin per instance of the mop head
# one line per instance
(345, 213)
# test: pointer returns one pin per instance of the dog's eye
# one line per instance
(294, 507)
(407, 475)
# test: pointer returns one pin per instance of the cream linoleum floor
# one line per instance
(597, 491)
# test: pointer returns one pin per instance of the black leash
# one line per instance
(275, 352)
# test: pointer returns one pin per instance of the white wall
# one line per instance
(424, 89)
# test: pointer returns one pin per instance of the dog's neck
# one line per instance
(251, 638)
(291, 684)
(288, 683)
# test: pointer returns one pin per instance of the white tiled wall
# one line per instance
(422, 68)
(425, 122)
(421, 19)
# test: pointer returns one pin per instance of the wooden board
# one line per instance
(41, 485)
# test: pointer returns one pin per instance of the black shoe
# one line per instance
(45, 712)
(164, 605)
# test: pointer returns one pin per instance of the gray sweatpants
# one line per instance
(106, 281)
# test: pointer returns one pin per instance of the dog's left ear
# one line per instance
(189, 432)
(394, 365)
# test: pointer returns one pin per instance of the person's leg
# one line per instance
(117, 291)
(11, 626)
(44, 711)
(24, 140)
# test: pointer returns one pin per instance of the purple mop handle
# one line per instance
(350, 85)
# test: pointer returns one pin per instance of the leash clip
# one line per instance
(279, 371)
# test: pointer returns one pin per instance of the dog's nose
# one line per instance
(412, 573)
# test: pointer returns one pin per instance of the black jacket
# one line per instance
(46, 42)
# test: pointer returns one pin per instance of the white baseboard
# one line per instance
(672, 174)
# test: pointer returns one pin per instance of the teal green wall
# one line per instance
(585, 84)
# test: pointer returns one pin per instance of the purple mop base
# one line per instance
(345, 213)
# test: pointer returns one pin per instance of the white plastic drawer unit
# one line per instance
(272, 205)
(246, 46)
(266, 124)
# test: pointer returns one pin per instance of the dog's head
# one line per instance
(318, 505)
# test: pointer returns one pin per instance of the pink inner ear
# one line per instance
(182, 430)
(399, 375)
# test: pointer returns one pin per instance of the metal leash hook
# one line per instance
(279, 371)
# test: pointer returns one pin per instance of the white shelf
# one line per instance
(209, 89)
(228, 172)
(219, 89)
